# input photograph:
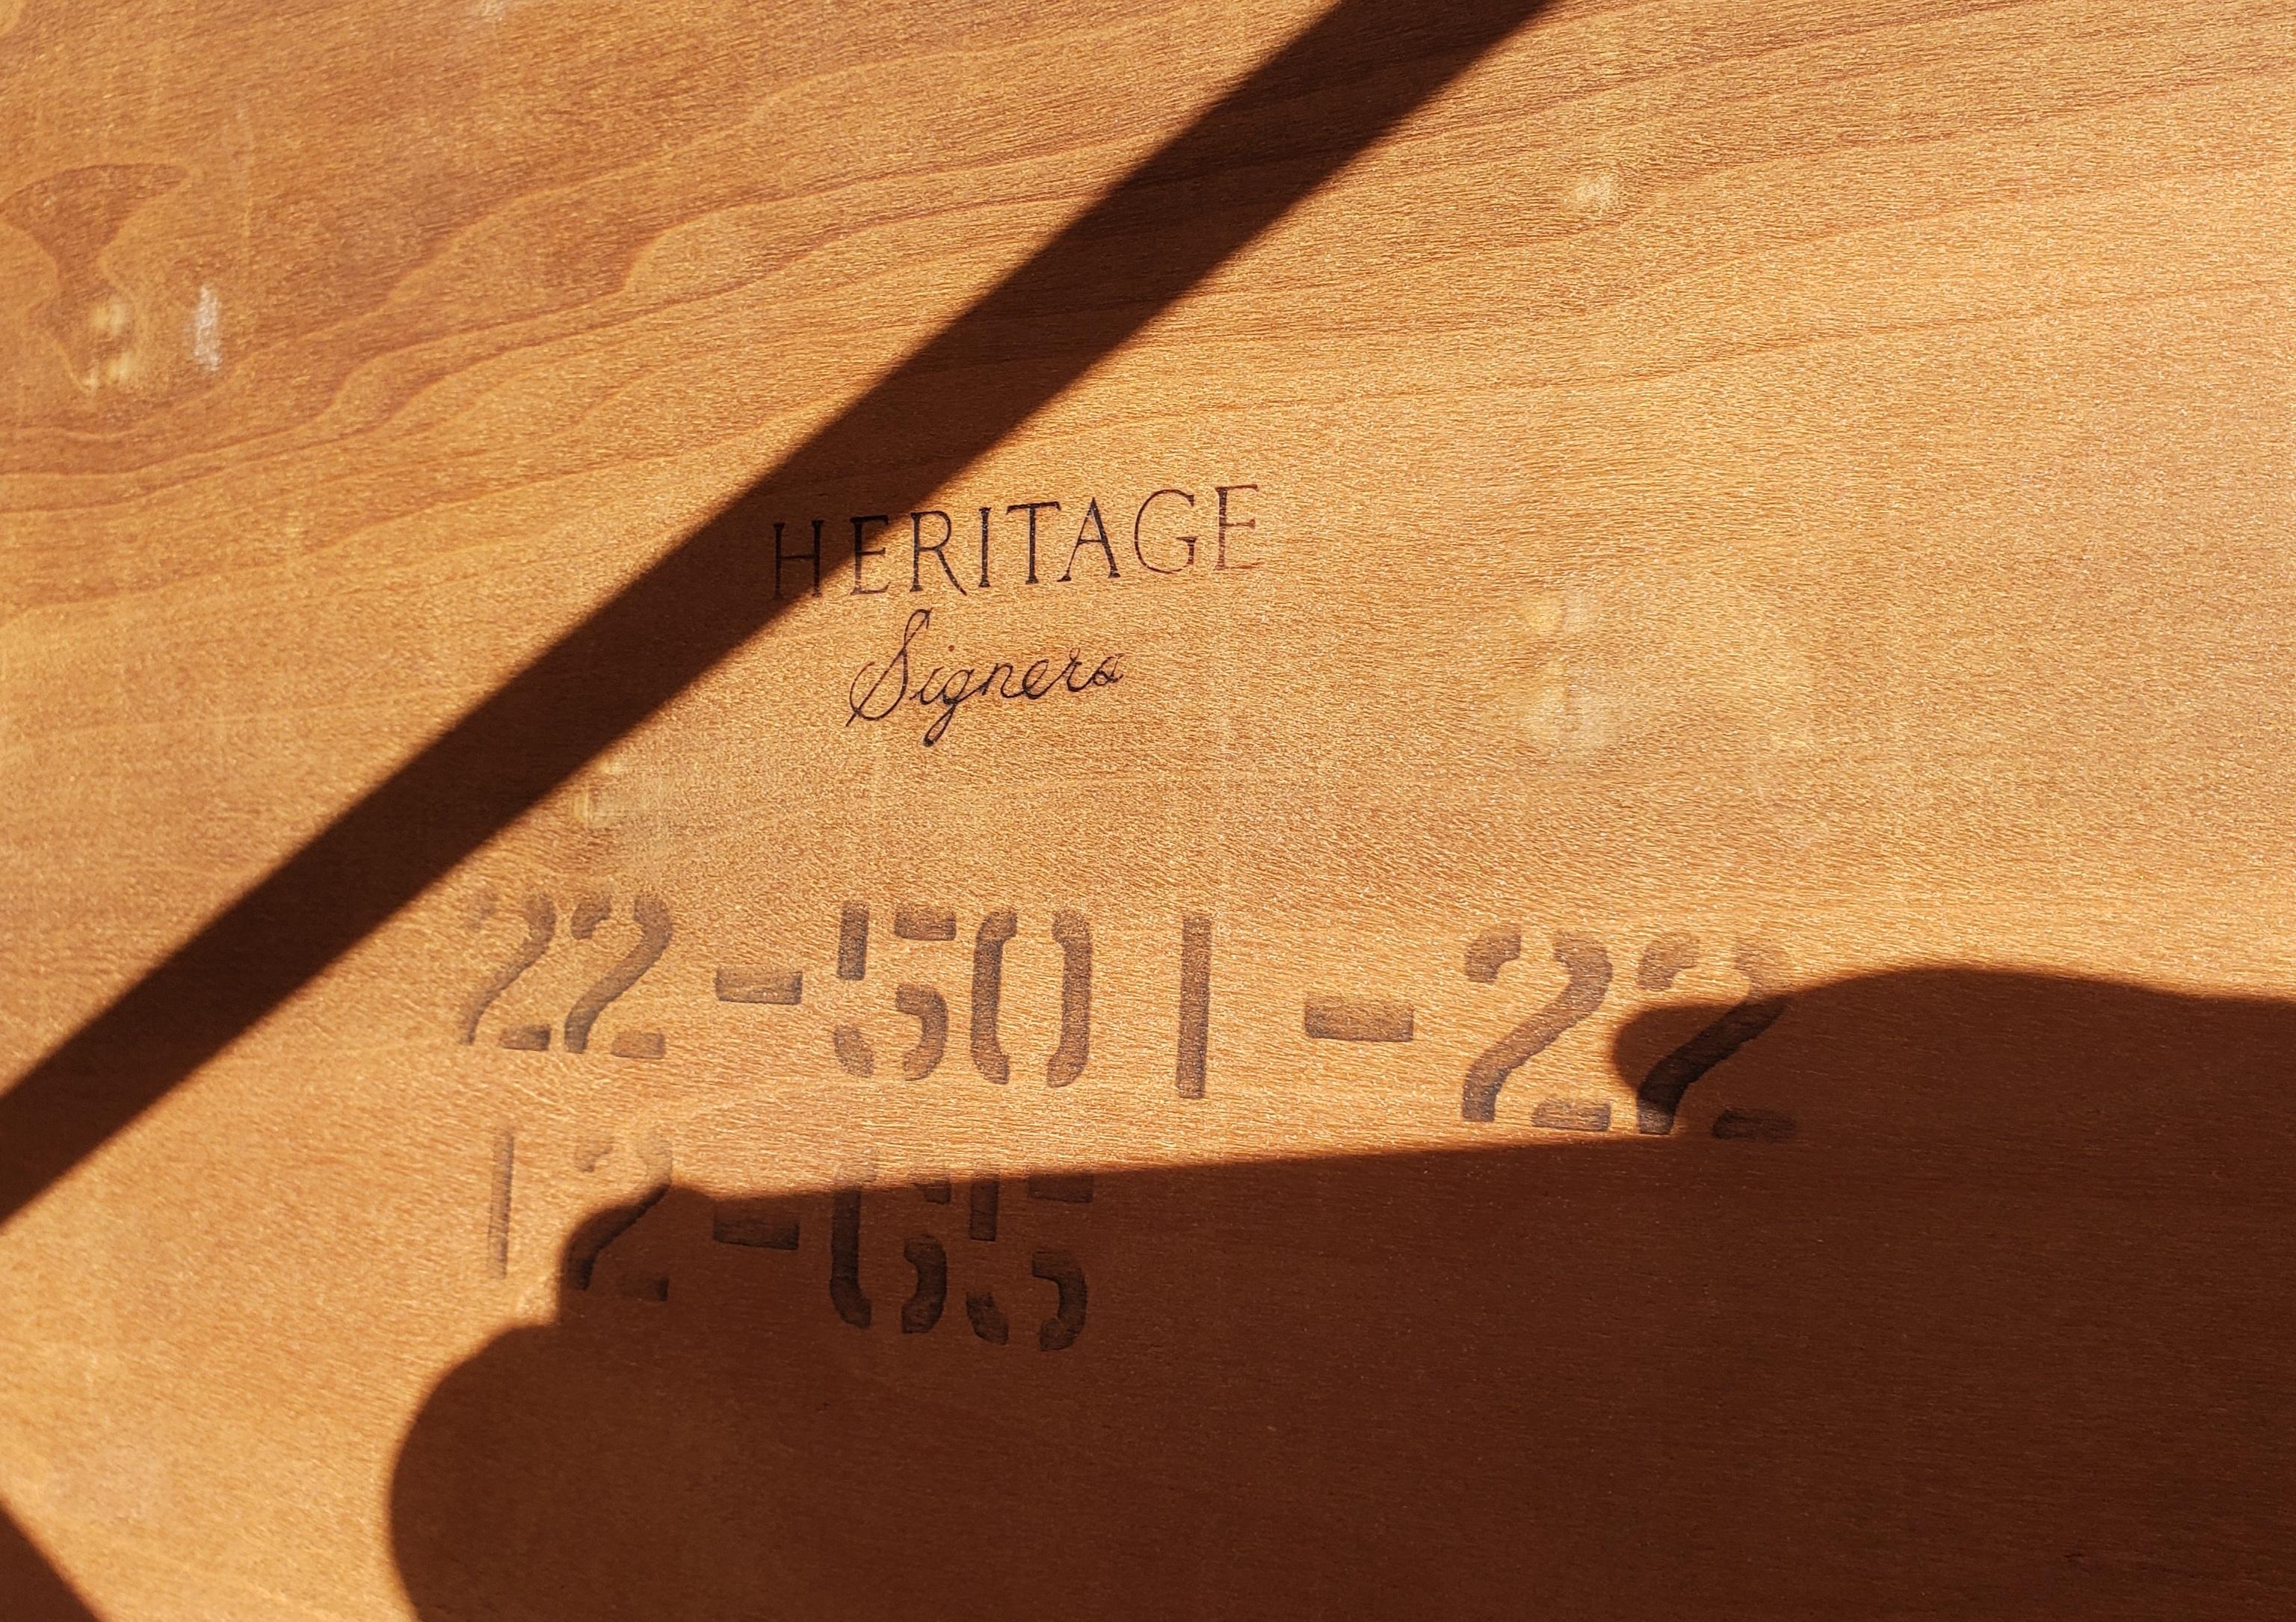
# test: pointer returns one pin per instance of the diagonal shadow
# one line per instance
(1280, 133)
(1273, 140)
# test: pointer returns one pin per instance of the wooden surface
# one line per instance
(1669, 957)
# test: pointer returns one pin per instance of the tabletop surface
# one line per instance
(1468, 808)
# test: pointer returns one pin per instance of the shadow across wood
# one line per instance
(33, 1589)
(2003, 1328)
(1278, 136)
(1282, 133)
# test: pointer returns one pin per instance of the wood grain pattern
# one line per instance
(1789, 500)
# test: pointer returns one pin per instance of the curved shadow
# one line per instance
(35, 1591)
(2002, 1328)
